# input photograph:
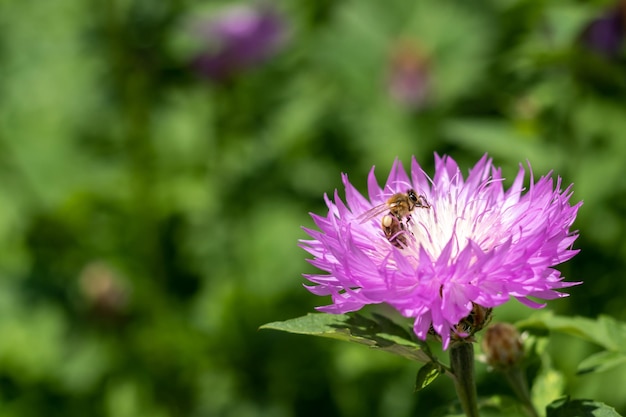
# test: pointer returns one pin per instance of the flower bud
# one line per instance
(503, 346)
(103, 290)
(408, 79)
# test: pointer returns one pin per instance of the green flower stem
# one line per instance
(517, 381)
(462, 364)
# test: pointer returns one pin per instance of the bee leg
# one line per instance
(394, 231)
(399, 240)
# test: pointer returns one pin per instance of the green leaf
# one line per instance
(601, 361)
(564, 407)
(498, 406)
(495, 406)
(427, 374)
(548, 385)
(604, 331)
(377, 332)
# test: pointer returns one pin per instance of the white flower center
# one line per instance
(457, 219)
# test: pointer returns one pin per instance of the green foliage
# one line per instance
(548, 385)
(580, 408)
(149, 217)
(604, 331)
(427, 374)
(494, 406)
(602, 361)
(378, 332)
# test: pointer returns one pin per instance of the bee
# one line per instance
(400, 205)
(394, 230)
(474, 322)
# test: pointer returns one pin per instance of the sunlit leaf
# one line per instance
(548, 385)
(604, 331)
(377, 332)
(565, 407)
(601, 361)
(426, 375)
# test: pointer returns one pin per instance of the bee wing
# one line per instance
(373, 212)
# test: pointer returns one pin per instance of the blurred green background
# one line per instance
(150, 210)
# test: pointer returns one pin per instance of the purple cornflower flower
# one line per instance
(476, 245)
(606, 33)
(408, 78)
(240, 38)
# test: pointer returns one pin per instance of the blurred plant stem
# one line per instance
(462, 364)
(516, 379)
(134, 75)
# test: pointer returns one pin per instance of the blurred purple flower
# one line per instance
(606, 33)
(408, 75)
(477, 245)
(241, 37)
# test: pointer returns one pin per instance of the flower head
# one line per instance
(240, 38)
(473, 244)
(606, 34)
